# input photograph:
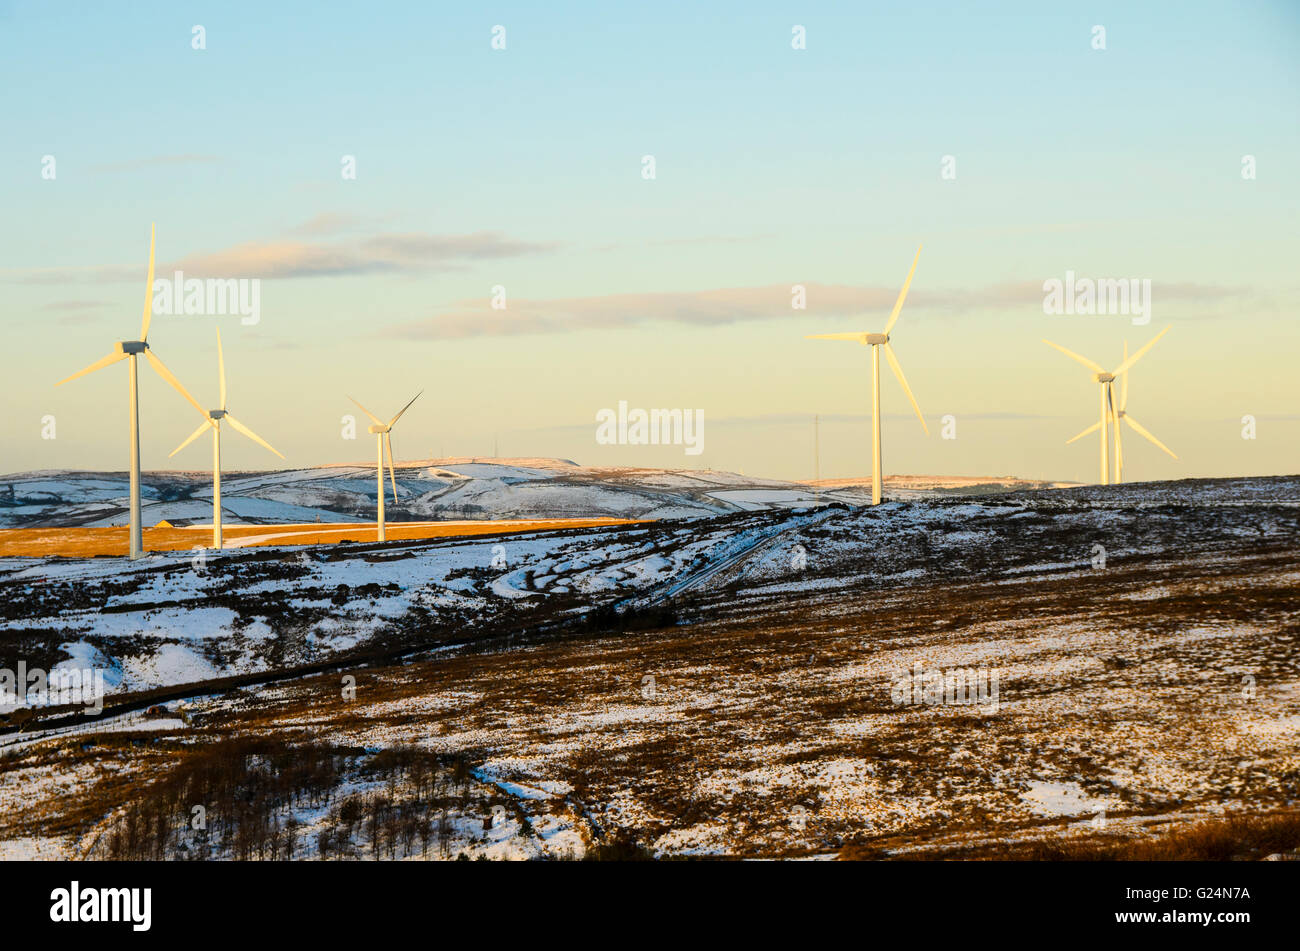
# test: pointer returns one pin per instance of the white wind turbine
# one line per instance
(132, 349)
(1109, 415)
(876, 341)
(1121, 414)
(212, 421)
(382, 431)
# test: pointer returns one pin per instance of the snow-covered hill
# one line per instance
(431, 489)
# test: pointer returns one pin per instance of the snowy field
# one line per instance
(734, 685)
(429, 489)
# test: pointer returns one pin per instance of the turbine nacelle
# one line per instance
(1104, 377)
(380, 429)
(875, 340)
(215, 414)
(132, 346)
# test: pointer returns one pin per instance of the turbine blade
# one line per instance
(1091, 429)
(166, 374)
(1074, 356)
(1124, 367)
(1141, 431)
(898, 372)
(97, 365)
(1119, 440)
(193, 436)
(388, 445)
(404, 409)
(148, 288)
(1123, 386)
(252, 435)
(898, 304)
(378, 421)
(221, 369)
(848, 336)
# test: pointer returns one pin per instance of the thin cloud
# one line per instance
(272, 259)
(476, 318)
(410, 252)
(395, 253)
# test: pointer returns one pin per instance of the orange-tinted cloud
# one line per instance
(476, 318)
(385, 252)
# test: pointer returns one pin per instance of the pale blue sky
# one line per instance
(774, 166)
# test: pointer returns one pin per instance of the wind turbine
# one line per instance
(1109, 415)
(876, 341)
(1122, 415)
(382, 430)
(132, 349)
(212, 420)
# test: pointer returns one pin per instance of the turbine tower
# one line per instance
(132, 349)
(382, 431)
(876, 341)
(212, 420)
(1109, 415)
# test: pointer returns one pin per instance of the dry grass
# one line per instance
(1215, 840)
(1239, 838)
(92, 542)
(252, 789)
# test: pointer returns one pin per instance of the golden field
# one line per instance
(112, 540)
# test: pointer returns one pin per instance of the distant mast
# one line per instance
(817, 457)
(817, 449)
